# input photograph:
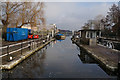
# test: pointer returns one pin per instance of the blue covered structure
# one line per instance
(17, 34)
(59, 34)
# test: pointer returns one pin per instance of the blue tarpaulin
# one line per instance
(16, 34)
(60, 34)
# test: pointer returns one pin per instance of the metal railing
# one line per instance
(109, 43)
(9, 50)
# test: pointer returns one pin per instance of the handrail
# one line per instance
(20, 49)
(19, 43)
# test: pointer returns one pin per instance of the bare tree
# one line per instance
(97, 22)
(112, 20)
(9, 9)
(109, 24)
(20, 13)
(114, 13)
(31, 13)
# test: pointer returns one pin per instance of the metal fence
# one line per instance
(14, 51)
(109, 43)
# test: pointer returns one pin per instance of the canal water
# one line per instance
(59, 59)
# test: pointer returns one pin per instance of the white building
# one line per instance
(28, 26)
(89, 36)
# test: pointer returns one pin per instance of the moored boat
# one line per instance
(60, 36)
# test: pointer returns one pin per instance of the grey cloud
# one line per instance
(71, 15)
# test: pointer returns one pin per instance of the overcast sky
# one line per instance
(72, 15)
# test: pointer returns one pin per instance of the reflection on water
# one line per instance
(85, 58)
(26, 69)
(60, 40)
(58, 60)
